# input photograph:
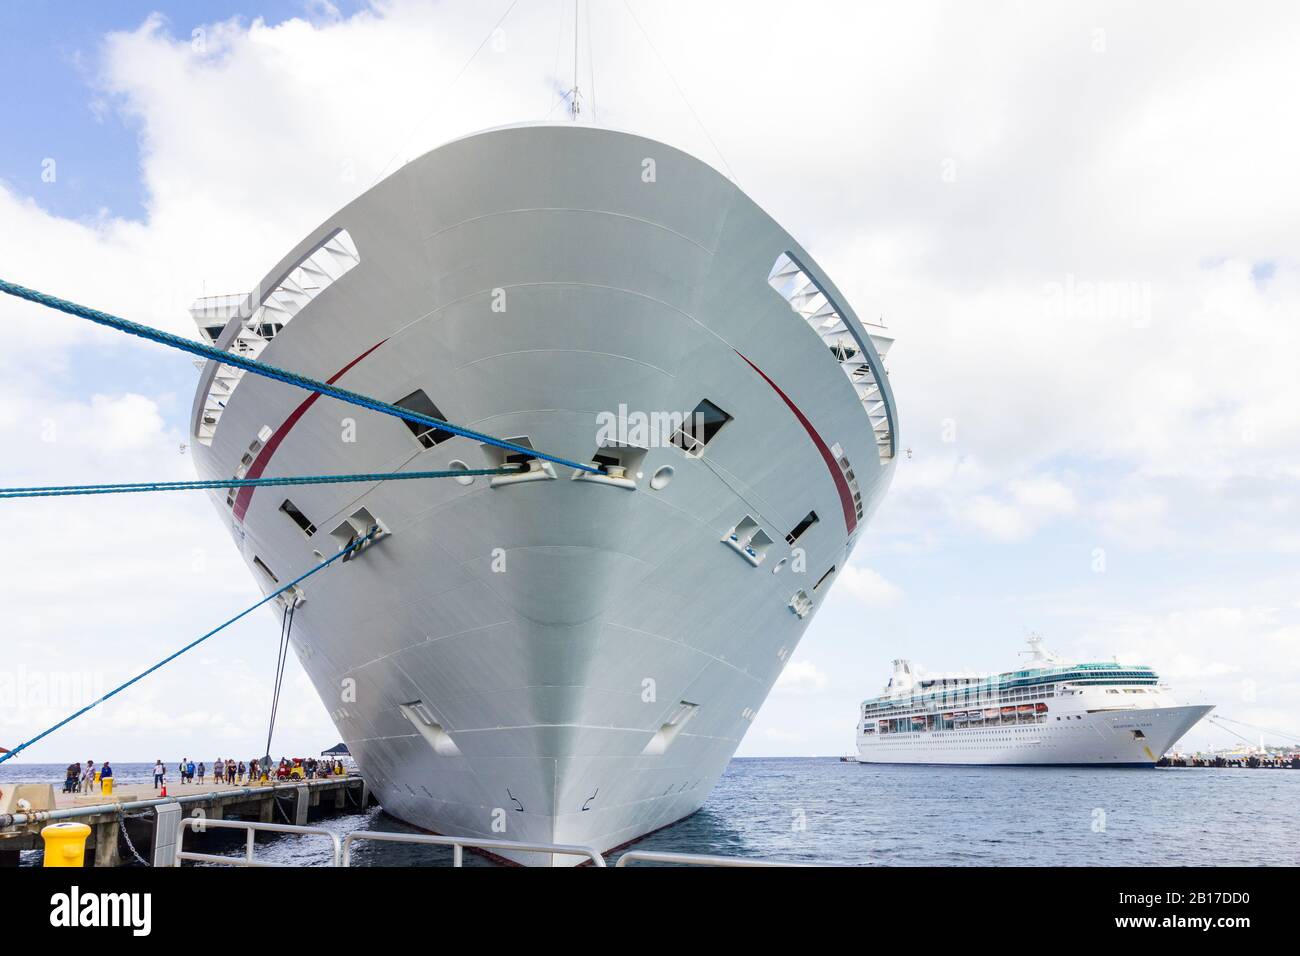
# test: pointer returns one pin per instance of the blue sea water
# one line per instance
(819, 810)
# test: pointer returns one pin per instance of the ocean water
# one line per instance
(819, 810)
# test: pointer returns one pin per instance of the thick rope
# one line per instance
(270, 371)
(54, 491)
(195, 643)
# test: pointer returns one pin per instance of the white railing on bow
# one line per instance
(810, 301)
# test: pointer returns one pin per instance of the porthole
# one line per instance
(659, 481)
(459, 465)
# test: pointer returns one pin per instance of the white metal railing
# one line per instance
(341, 854)
(200, 824)
(810, 301)
(458, 845)
(315, 273)
(692, 859)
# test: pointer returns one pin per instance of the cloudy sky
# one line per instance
(1080, 223)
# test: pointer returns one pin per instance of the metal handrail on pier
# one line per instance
(693, 859)
(342, 849)
(200, 824)
(458, 845)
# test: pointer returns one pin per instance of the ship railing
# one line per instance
(201, 824)
(458, 845)
(693, 859)
(341, 847)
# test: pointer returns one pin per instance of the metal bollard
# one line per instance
(65, 844)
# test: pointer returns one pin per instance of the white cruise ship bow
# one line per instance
(553, 657)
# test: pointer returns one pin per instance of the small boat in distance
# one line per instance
(1047, 712)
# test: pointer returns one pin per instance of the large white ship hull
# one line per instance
(1100, 738)
(554, 660)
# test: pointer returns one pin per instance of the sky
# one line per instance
(1079, 222)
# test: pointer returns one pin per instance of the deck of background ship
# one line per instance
(555, 660)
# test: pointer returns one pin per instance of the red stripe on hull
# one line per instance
(833, 466)
(263, 458)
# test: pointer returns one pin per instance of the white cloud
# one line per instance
(800, 677)
(1031, 503)
(869, 587)
(1136, 517)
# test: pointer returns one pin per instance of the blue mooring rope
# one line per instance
(195, 643)
(270, 371)
(56, 491)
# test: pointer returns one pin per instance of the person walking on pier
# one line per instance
(189, 769)
(231, 770)
(218, 771)
(106, 777)
(157, 774)
(88, 777)
(240, 770)
(72, 778)
(203, 771)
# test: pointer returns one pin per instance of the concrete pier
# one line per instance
(135, 808)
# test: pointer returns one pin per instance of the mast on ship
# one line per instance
(1038, 654)
(573, 94)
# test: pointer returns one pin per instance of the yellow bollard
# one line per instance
(107, 786)
(65, 844)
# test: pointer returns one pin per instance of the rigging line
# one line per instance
(282, 655)
(55, 491)
(1267, 730)
(461, 72)
(591, 61)
(680, 92)
(1230, 730)
(562, 98)
(192, 644)
(270, 371)
(275, 681)
(559, 45)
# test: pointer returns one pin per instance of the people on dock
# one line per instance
(85, 778)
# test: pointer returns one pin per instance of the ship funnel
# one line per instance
(901, 680)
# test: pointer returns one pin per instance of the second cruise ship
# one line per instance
(1047, 712)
